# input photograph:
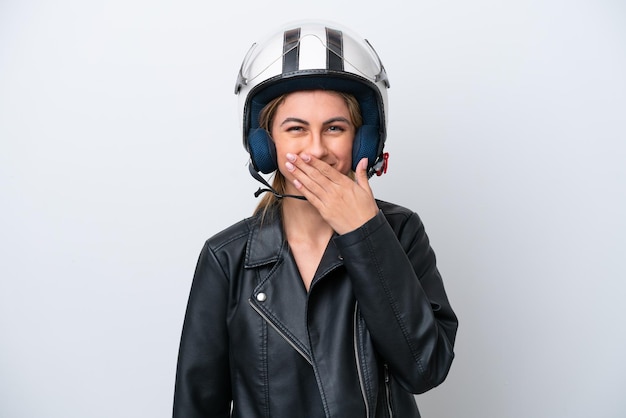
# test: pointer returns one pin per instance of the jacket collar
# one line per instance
(266, 239)
(266, 242)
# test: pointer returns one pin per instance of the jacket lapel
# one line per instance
(331, 259)
(279, 297)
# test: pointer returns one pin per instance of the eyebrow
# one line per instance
(304, 122)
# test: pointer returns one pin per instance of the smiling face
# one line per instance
(317, 123)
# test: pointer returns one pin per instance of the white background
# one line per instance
(120, 154)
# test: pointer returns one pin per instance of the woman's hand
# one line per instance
(343, 203)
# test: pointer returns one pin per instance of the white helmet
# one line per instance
(306, 56)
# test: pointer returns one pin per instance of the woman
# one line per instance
(326, 302)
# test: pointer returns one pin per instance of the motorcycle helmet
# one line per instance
(313, 55)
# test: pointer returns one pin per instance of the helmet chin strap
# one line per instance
(268, 188)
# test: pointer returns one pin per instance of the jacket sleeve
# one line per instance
(203, 386)
(402, 298)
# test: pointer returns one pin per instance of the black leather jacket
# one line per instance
(375, 327)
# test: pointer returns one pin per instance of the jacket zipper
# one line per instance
(388, 391)
(358, 361)
(302, 353)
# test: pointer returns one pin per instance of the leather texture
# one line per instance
(375, 327)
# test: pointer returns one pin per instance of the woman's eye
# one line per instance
(336, 129)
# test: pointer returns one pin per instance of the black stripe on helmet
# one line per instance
(291, 50)
(334, 52)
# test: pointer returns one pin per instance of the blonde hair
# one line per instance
(266, 117)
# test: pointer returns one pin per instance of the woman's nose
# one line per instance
(317, 146)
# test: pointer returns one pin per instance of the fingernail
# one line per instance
(305, 157)
(290, 166)
(291, 157)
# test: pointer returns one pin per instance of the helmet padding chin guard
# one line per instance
(313, 56)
